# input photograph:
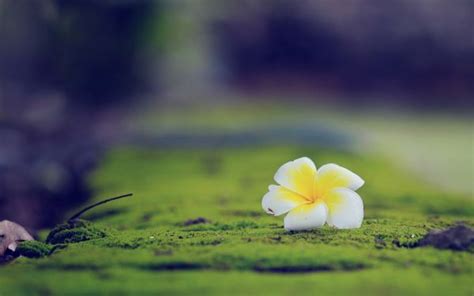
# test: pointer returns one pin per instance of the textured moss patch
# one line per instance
(148, 248)
(74, 232)
(33, 249)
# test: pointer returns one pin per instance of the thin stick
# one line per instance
(79, 214)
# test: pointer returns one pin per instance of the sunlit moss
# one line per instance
(132, 245)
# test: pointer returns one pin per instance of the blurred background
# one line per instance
(393, 77)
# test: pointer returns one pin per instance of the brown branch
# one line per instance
(79, 214)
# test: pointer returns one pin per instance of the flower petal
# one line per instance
(332, 175)
(298, 176)
(280, 200)
(307, 216)
(345, 208)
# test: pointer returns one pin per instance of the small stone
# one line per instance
(458, 238)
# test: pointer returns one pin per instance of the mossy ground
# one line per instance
(148, 246)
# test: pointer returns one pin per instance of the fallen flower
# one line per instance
(313, 197)
(10, 235)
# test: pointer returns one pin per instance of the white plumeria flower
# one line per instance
(313, 197)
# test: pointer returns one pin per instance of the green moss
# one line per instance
(148, 247)
(33, 249)
(74, 232)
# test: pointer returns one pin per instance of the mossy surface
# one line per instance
(195, 226)
(33, 249)
(74, 232)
